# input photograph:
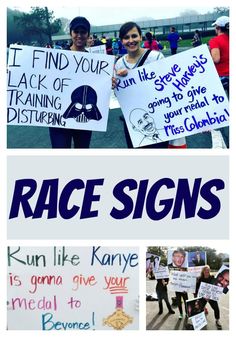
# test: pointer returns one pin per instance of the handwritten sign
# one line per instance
(199, 321)
(62, 288)
(162, 272)
(58, 88)
(182, 281)
(210, 291)
(174, 97)
(97, 49)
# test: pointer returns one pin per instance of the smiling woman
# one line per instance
(131, 37)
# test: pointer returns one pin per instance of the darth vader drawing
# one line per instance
(83, 105)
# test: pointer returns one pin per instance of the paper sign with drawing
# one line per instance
(72, 288)
(174, 97)
(58, 88)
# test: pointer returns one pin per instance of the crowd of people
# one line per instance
(179, 260)
(132, 51)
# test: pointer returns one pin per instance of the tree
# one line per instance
(221, 10)
(39, 24)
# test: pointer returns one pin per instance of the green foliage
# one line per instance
(36, 26)
(221, 10)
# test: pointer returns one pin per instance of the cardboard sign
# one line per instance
(162, 273)
(174, 97)
(72, 288)
(182, 281)
(199, 321)
(58, 88)
(210, 291)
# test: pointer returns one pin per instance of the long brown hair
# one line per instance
(203, 270)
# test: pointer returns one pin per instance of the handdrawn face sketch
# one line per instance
(142, 122)
(83, 105)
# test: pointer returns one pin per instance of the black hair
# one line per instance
(225, 29)
(149, 37)
(126, 27)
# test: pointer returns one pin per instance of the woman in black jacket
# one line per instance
(208, 278)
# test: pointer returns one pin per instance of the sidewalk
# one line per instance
(172, 322)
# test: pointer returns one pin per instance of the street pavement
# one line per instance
(172, 322)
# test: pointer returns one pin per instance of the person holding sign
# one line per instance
(131, 37)
(208, 278)
(219, 48)
(179, 296)
(162, 294)
(62, 138)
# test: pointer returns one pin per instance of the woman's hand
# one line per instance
(113, 85)
(120, 72)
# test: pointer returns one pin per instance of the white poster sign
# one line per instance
(199, 321)
(195, 270)
(174, 97)
(182, 281)
(97, 49)
(58, 88)
(72, 288)
(210, 291)
(162, 273)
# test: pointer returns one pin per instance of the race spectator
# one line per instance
(131, 37)
(162, 294)
(62, 138)
(173, 38)
(150, 42)
(196, 41)
(219, 48)
(208, 278)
